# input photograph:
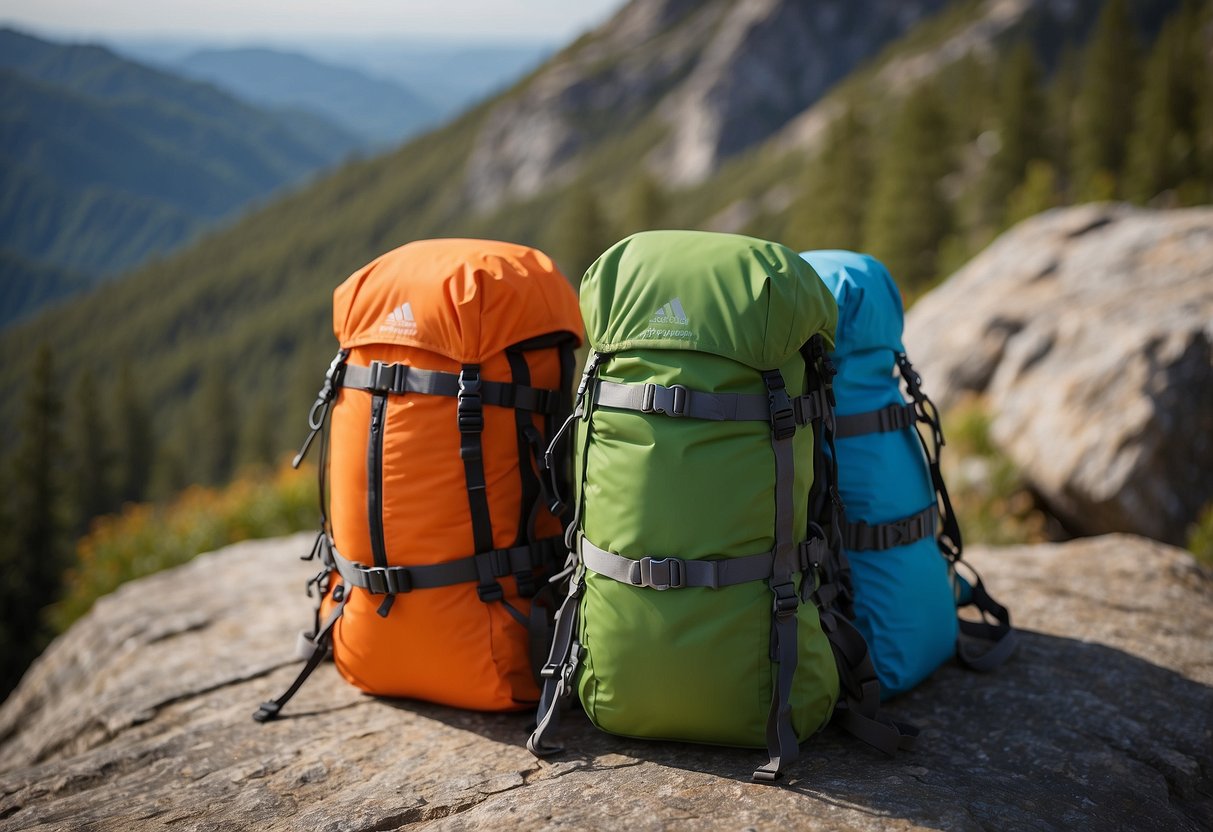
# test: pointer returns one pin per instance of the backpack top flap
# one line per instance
(746, 299)
(465, 299)
(870, 310)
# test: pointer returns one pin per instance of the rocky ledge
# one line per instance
(139, 718)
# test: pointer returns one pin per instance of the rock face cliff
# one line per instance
(139, 718)
(719, 76)
(1090, 331)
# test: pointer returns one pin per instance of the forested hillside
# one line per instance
(104, 162)
(920, 173)
(917, 144)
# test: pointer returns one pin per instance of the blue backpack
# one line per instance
(899, 533)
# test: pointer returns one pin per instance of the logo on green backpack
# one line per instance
(670, 314)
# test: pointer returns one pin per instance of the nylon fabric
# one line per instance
(651, 485)
(904, 601)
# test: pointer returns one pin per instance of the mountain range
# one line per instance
(380, 112)
(675, 113)
(105, 162)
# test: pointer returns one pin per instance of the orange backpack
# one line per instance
(455, 366)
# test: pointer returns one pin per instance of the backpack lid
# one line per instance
(465, 299)
(870, 312)
(743, 298)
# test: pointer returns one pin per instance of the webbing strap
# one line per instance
(885, 420)
(679, 401)
(560, 670)
(858, 709)
(994, 630)
(528, 439)
(782, 745)
(398, 379)
(860, 536)
(677, 573)
(270, 710)
(400, 579)
(470, 418)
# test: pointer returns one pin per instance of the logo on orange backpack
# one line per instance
(400, 321)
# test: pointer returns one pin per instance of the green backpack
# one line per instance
(702, 584)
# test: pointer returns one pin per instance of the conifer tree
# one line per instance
(217, 431)
(259, 439)
(1059, 116)
(1018, 125)
(833, 205)
(91, 456)
(1164, 147)
(1038, 192)
(645, 207)
(134, 440)
(910, 215)
(36, 556)
(580, 233)
(1104, 114)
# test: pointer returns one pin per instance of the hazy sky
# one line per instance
(536, 20)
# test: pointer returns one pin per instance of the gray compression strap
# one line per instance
(679, 401)
(397, 579)
(676, 573)
(887, 419)
(560, 671)
(399, 379)
(861, 536)
(782, 745)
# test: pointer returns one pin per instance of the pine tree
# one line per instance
(833, 206)
(37, 553)
(216, 430)
(91, 475)
(645, 207)
(1104, 105)
(1164, 147)
(1059, 116)
(1038, 192)
(579, 233)
(259, 439)
(1019, 130)
(909, 215)
(134, 439)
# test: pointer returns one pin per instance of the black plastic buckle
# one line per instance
(390, 580)
(470, 411)
(668, 401)
(786, 600)
(490, 592)
(783, 414)
(387, 378)
(657, 573)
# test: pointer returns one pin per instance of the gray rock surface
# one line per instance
(139, 718)
(1090, 332)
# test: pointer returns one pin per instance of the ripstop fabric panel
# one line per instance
(466, 301)
(710, 312)
(904, 600)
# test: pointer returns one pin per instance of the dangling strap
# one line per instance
(782, 745)
(270, 710)
(560, 670)
(995, 626)
(858, 710)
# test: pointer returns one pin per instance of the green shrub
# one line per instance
(1200, 536)
(145, 538)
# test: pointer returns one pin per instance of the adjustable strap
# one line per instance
(399, 379)
(885, 420)
(320, 647)
(498, 563)
(994, 630)
(680, 401)
(676, 573)
(860, 536)
(858, 709)
(782, 745)
(560, 670)
(470, 416)
(529, 440)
